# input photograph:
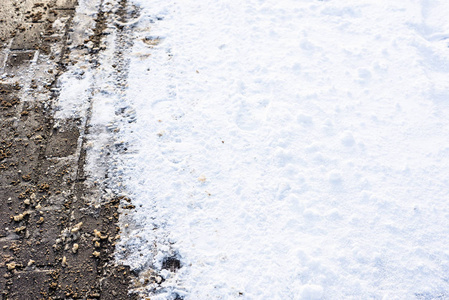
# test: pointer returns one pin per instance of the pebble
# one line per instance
(64, 261)
(18, 217)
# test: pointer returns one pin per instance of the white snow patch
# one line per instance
(291, 149)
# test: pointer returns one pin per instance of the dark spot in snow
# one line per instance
(171, 263)
(178, 297)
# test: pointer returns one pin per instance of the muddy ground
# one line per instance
(54, 244)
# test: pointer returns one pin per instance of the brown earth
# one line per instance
(54, 244)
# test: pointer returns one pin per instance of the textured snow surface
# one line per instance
(293, 149)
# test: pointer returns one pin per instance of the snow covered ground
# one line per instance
(293, 149)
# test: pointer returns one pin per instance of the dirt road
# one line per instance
(54, 243)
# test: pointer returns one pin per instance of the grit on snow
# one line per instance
(293, 149)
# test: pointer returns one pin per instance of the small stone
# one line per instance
(75, 248)
(30, 262)
(77, 227)
(96, 254)
(64, 261)
(18, 218)
(19, 229)
(11, 266)
(97, 233)
(27, 201)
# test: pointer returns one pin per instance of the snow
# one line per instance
(75, 85)
(291, 149)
